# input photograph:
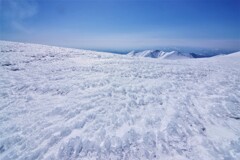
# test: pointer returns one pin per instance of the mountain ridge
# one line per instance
(160, 54)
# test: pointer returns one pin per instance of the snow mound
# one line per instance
(160, 54)
(61, 103)
(235, 54)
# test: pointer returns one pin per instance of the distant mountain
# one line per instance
(194, 55)
(160, 54)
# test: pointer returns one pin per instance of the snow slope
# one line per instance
(59, 103)
(160, 54)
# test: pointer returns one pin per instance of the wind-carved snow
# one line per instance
(59, 103)
(160, 54)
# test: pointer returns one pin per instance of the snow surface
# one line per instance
(60, 103)
(160, 54)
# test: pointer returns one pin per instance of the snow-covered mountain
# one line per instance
(61, 103)
(160, 54)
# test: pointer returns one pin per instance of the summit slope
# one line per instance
(62, 103)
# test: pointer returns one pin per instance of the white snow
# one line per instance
(160, 54)
(61, 103)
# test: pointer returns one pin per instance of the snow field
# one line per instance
(60, 103)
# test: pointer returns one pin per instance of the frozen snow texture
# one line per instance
(59, 103)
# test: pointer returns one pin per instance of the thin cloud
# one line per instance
(16, 12)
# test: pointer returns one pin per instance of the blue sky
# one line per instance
(122, 24)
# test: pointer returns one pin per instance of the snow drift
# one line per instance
(61, 103)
